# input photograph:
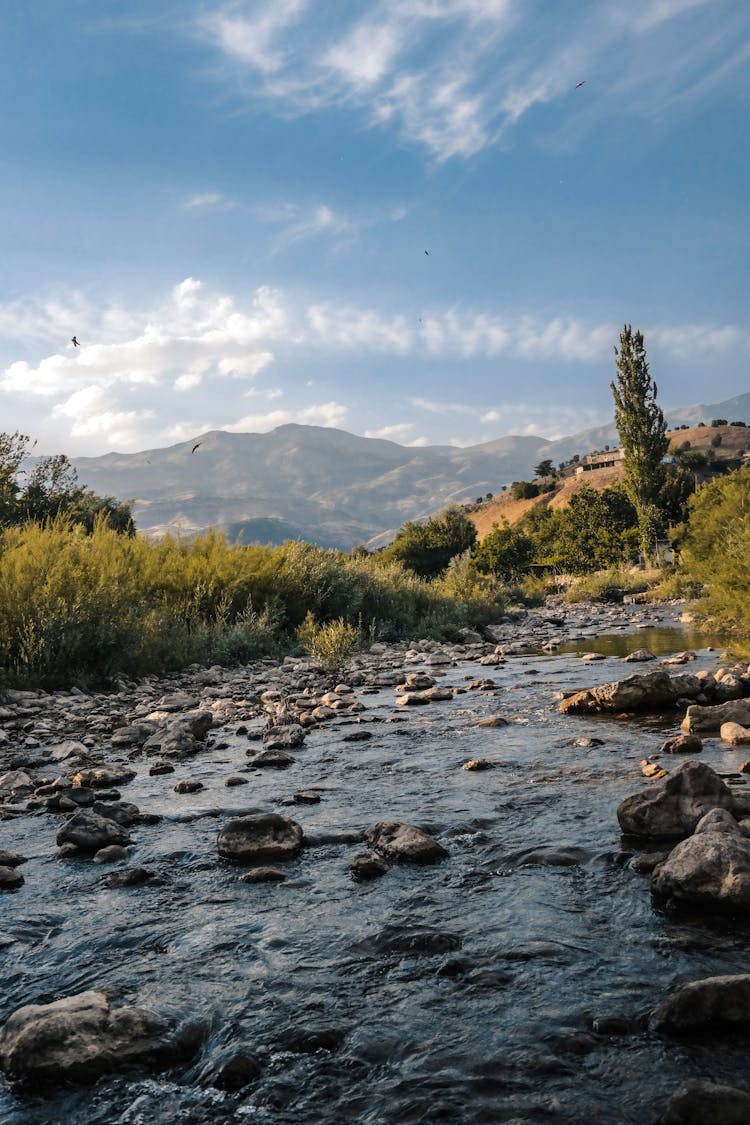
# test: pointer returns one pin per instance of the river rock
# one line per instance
(710, 870)
(128, 877)
(81, 1037)
(404, 843)
(182, 736)
(11, 859)
(238, 1070)
(264, 875)
(188, 786)
(284, 738)
(271, 758)
(492, 721)
(10, 879)
(641, 655)
(122, 812)
(15, 781)
(90, 832)
(702, 1101)
(703, 1004)
(672, 807)
(682, 744)
(702, 720)
(649, 691)
(367, 865)
(732, 734)
(100, 777)
(259, 837)
(478, 764)
(113, 853)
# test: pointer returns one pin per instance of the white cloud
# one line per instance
(318, 414)
(396, 432)
(206, 200)
(454, 76)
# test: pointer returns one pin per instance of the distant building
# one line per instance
(606, 460)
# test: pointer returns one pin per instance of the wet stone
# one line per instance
(264, 875)
(188, 786)
(367, 865)
(99, 777)
(160, 768)
(272, 759)
(111, 854)
(128, 877)
(234, 780)
(357, 736)
(478, 764)
(238, 1070)
(307, 797)
(10, 879)
(259, 837)
(90, 832)
(703, 1100)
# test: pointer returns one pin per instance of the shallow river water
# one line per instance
(508, 983)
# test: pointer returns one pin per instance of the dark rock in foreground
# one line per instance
(81, 1037)
(90, 832)
(704, 1101)
(705, 1004)
(404, 842)
(673, 807)
(259, 838)
(710, 870)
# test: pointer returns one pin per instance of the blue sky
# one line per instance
(230, 204)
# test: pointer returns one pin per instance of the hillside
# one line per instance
(735, 440)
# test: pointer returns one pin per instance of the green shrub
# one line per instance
(606, 586)
(331, 643)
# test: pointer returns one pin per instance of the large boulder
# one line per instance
(711, 869)
(650, 691)
(90, 832)
(672, 807)
(704, 1004)
(259, 838)
(404, 843)
(702, 1100)
(701, 720)
(182, 736)
(81, 1037)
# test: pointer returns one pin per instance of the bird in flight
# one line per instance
(197, 444)
(74, 342)
(579, 84)
(427, 252)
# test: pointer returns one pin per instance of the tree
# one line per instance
(52, 489)
(643, 435)
(505, 552)
(717, 548)
(427, 548)
(595, 531)
(544, 469)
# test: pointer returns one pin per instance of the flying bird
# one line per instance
(197, 444)
(579, 84)
(427, 252)
(74, 342)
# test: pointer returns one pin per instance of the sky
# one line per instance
(423, 220)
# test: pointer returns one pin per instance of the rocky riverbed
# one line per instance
(259, 894)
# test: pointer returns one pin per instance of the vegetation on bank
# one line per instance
(84, 608)
(84, 600)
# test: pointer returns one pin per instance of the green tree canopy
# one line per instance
(427, 548)
(51, 489)
(717, 548)
(544, 469)
(642, 429)
(506, 552)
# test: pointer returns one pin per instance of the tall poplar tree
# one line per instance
(643, 435)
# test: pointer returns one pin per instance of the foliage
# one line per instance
(677, 488)
(642, 430)
(51, 489)
(606, 586)
(524, 490)
(596, 530)
(545, 469)
(719, 422)
(716, 551)
(80, 608)
(427, 548)
(330, 643)
(505, 552)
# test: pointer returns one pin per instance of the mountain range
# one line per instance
(328, 486)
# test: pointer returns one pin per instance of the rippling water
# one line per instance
(541, 930)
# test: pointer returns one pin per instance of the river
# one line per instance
(508, 983)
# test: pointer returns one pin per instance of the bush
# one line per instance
(606, 586)
(330, 643)
(524, 490)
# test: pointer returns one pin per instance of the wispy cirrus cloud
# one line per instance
(454, 76)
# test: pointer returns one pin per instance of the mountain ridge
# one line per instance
(326, 485)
